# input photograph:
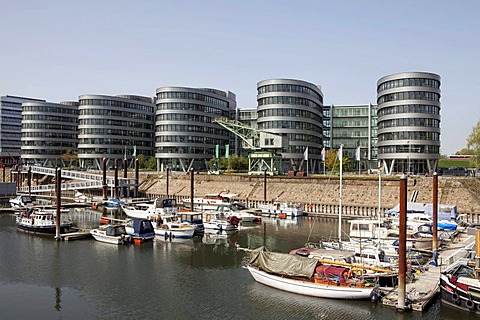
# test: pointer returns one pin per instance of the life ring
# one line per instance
(455, 297)
(310, 206)
(469, 304)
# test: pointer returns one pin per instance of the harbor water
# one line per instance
(203, 278)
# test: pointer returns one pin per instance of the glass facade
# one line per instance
(353, 126)
(49, 130)
(114, 127)
(293, 109)
(185, 135)
(409, 122)
(11, 128)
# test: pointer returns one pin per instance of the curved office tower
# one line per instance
(49, 133)
(185, 136)
(409, 122)
(114, 127)
(293, 109)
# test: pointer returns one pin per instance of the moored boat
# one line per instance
(141, 230)
(169, 227)
(194, 218)
(148, 210)
(210, 201)
(21, 201)
(115, 234)
(306, 276)
(41, 222)
(213, 220)
(281, 210)
(460, 286)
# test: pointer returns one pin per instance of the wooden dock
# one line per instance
(426, 286)
(75, 235)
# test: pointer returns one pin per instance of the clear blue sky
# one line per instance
(58, 50)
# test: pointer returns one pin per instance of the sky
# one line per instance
(59, 50)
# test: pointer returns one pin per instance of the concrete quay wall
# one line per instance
(320, 194)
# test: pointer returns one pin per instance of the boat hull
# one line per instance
(310, 288)
(457, 298)
(169, 234)
(51, 229)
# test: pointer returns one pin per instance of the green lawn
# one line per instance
(446, 163)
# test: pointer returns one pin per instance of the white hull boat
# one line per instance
(111, 234)
(169, 228)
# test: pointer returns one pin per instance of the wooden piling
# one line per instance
(402, 246)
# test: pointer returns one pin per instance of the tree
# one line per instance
(473, 142)
(465, 151)
(332, 162)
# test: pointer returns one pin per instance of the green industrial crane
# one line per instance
(264, 145)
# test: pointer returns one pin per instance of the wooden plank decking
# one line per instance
(421, 292)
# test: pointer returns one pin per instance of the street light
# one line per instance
(408, 169)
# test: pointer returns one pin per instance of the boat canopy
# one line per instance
(282, 263)
(445, 211)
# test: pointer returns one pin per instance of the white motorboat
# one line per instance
(306, 276)
(229, 210)
(210, 201)
(281, 209)
(149, 210)
(81, 198)
(115, 234)
(169, 227)
(21, 201)
(214, 220)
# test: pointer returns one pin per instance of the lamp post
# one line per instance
(408, 169)
(264, 184)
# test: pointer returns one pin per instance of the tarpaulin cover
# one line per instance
(282, 263)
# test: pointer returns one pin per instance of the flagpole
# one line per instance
(340, 156)
(379, 200)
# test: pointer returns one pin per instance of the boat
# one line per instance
(460, 286)
(21, 201)
(81, 198)
(245, 215)
(169, 227)
(149, 210)
(141, 230)
(306, 276)
(281, 209)
(113, 203)
(444, 211)
(115, 234)
(41, 221)
(210, 201)
(194, 218)
(216, 222)
(369, 229)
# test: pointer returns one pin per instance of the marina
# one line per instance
(155, 219)
(83, 276)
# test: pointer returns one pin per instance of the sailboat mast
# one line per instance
(340, 157)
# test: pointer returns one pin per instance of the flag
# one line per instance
(305, 154)
(340, 153)
(357, 154)
(227, 150)
(380, 168)
(323, 154)
(134, 154)
(125, 153)
(216, 151)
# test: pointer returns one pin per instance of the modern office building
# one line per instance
(185, 135)
(293, 109)
(11, 128)
(114, 127)
(49, 133)
(353, 126)
(248, 118)
(409, 122)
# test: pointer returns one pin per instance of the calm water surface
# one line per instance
(196, 279)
